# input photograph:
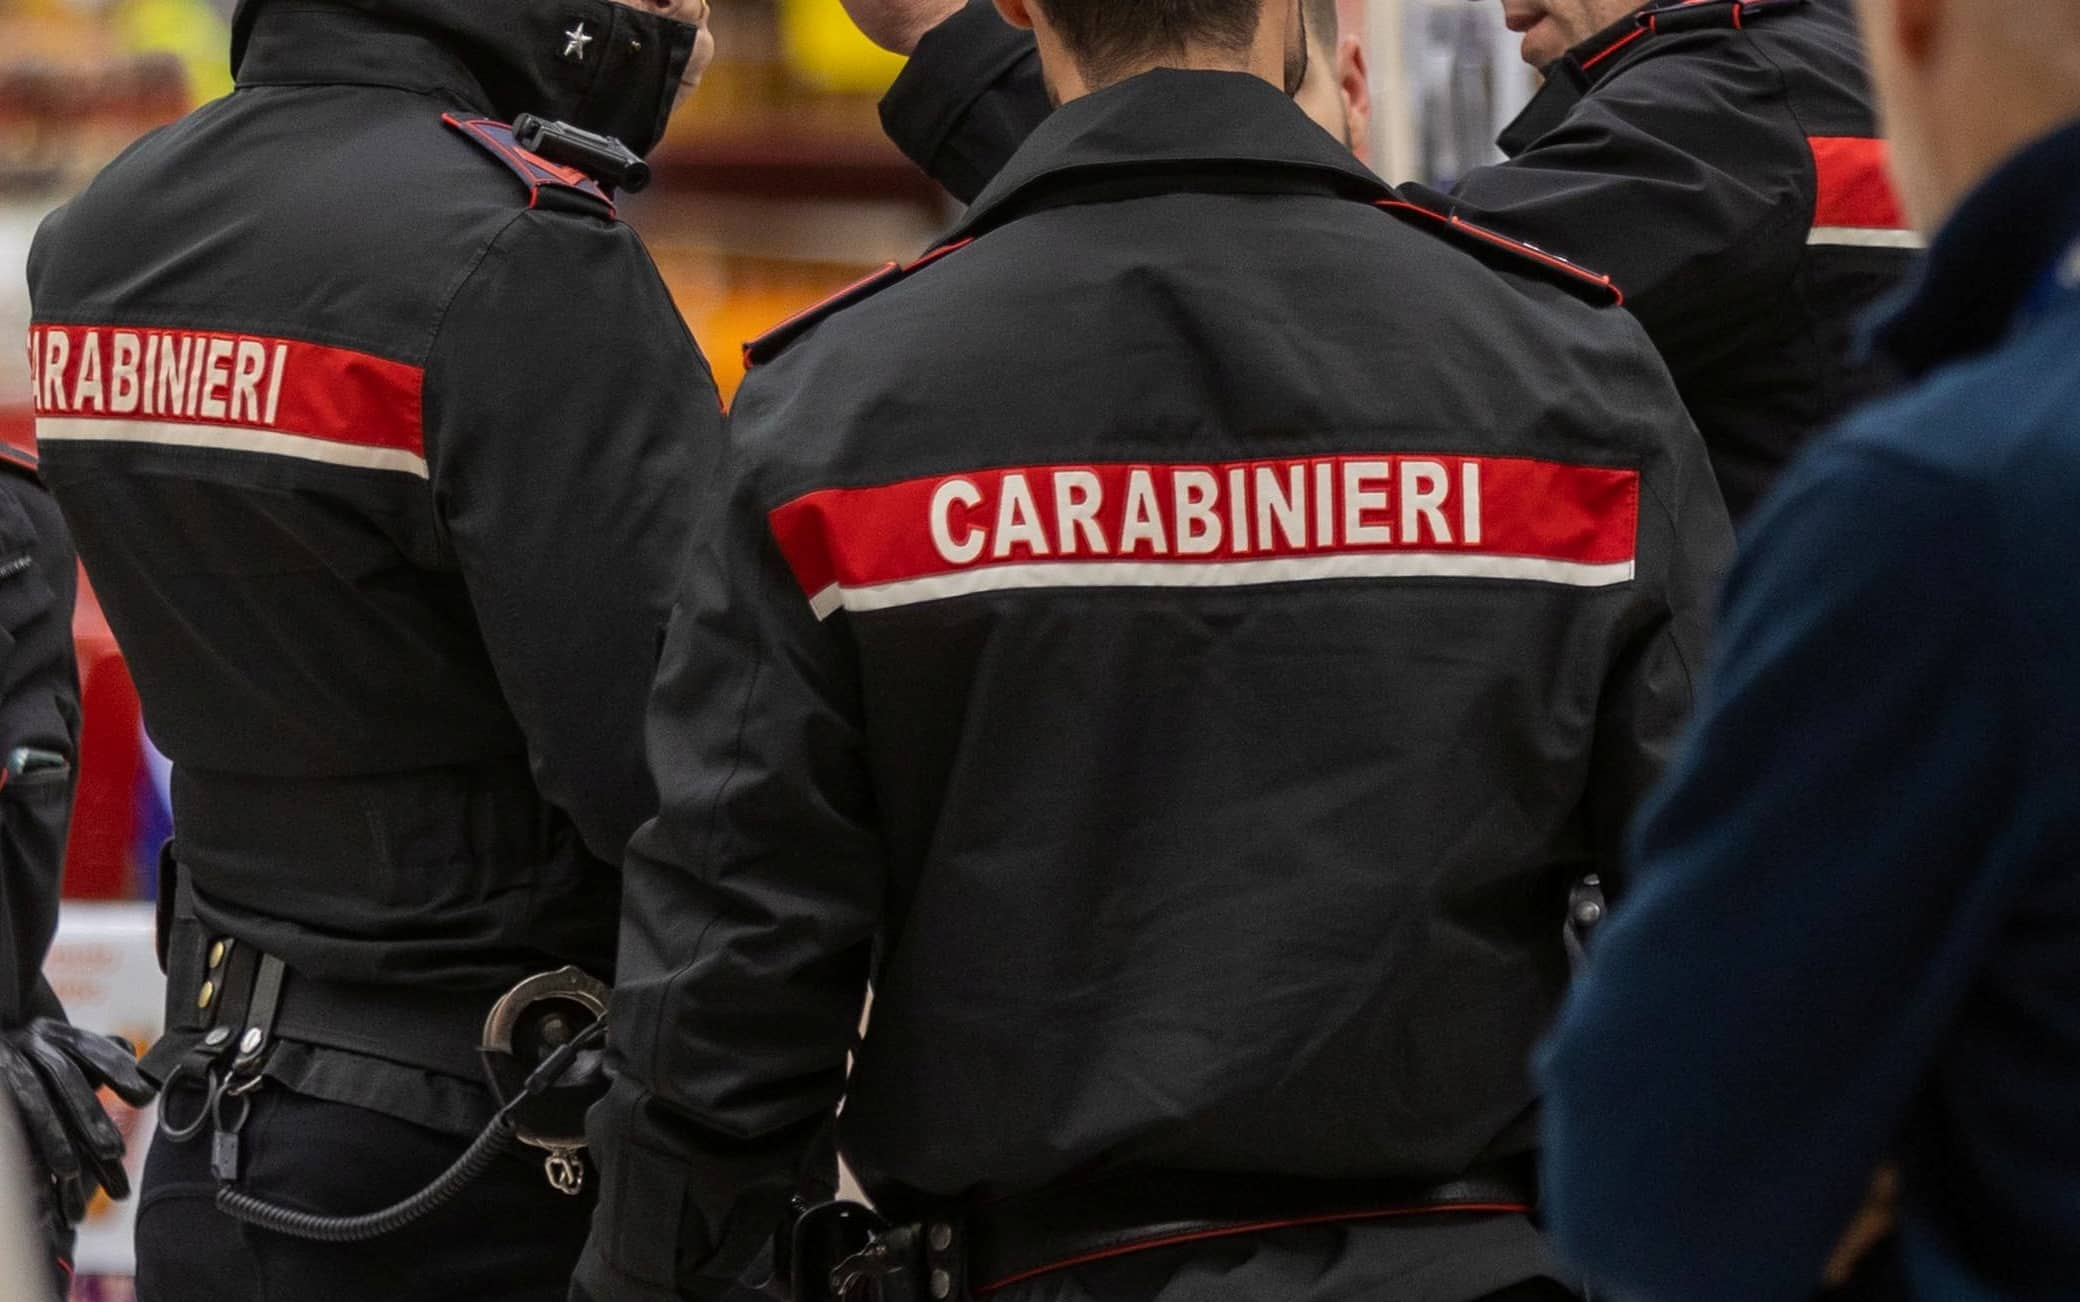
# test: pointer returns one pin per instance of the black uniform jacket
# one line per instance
(1180, 639)
(378, 437)
(1718, 160)
(39, 710)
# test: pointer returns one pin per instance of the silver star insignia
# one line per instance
(578, 39)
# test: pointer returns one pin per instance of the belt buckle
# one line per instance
(905, 1263)
(847, 1252)
(872, 1264)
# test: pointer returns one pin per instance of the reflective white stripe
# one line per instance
(234, 438)
(1220, 574)
(1866, 237)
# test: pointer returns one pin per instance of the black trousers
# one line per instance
(508, 1237)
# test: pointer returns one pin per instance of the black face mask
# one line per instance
(628, 76)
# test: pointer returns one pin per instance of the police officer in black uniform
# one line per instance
(1718, 158)
(1179, 639)
(49, 1069)
(378, 432)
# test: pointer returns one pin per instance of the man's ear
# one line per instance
(1356, 87)
(1019, 13)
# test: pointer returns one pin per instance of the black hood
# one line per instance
(617, 77)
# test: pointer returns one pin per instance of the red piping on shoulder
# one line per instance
(938, 253)
(525, 163)
(884, 269)
(1739, 12)
(1617, 45)
(1482, 233)
(887, 270)
(829, 299)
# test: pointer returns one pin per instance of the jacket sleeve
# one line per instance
(1685, 547)
(39, 708)
(567, 413)
(750, 908)
(1809, 896)
(969, 96)
(1684, 178)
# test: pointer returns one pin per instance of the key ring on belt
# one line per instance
(237, 1086)
(212, 1092)
(242, 1093)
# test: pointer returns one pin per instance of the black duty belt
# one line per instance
(975, 1249)
(433, 1030)
(229, 1005)
(224, 997)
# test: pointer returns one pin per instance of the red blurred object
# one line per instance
(111, 763)
(111, 759)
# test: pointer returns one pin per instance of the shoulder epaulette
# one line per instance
(538, 174)
(770, 344)
(20, 461)
(1670, 18)
(1516, 255)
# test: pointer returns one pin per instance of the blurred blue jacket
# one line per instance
(1854, 934)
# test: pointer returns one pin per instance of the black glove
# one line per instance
(51, 1070)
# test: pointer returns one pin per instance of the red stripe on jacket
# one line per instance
(1855, 184)
(222, 378)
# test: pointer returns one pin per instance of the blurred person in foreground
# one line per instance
(49, 1070)
(22, 1258)
(1718, 160)
(1179, 639)
(1854, 942)
(379, 434)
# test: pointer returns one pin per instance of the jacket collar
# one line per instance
(602, 66)
(1172, 130)
(2011, 238)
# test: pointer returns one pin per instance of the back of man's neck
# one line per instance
(1265, 64)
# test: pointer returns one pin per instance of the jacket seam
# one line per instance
(1756, 231)
(1668, 631)
(433, 336)
(1771, 216)
(1821, 376)
(685, 331)
(713, 820)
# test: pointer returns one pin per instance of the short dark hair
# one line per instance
(1322, 22)
(1108, 36)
